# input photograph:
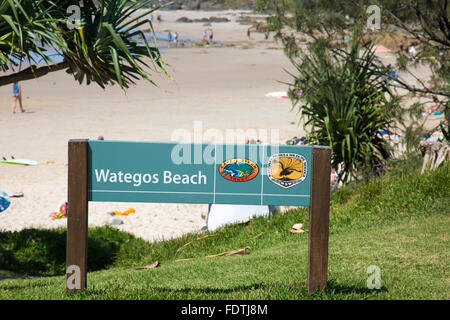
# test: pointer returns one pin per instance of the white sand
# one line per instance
(211, 87)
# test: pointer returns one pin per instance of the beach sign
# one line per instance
(219, 174)
(208, 173)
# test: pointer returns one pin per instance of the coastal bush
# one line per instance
(329, 21)
(346, 104)
(43, 252)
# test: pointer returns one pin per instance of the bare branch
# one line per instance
(32, 72)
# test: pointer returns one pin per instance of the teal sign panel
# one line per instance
(253, 174)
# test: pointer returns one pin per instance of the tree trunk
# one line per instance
(434, 153)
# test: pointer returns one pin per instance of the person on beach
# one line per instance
(434, 107)
(205, 35)
(412, 50)
(169, 39)
(17, 95)
(211, 35)
(175, 39)
(248, 33)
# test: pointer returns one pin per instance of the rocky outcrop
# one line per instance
(204, 20)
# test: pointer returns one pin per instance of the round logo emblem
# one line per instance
(287, 169)
(238, 170)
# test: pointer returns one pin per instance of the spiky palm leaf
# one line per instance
(103, 49)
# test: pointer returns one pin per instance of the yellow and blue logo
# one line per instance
(287, 169)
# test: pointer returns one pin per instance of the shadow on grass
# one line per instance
(25, 285)
(255, 286)
(273, 291)
(334, 288)
(42, 252)
(172, 293)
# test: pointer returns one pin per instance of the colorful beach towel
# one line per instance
(5, 201)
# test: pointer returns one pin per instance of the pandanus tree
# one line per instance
(346, 104)
(333, 107)
(96, 41)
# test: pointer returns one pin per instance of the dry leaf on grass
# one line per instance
(150, 266)
(244, 221)
(190, 242)
(297, 228)
(230, 253)
(257, 236)
(297, 231)
(186, 259)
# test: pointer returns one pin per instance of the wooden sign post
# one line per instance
(77, 215)
(319, 211)
(124, 171)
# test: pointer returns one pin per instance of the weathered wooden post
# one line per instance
(77, 215)
(319, 219)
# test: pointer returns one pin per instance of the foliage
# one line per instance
(103, 49)
(346, 104)
(43, 252)
(422, 23)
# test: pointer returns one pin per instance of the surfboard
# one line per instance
(25, 162)
(5, 201)
(278, 94)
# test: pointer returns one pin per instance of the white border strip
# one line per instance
(180, 192)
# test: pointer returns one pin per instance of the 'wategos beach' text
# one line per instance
(137, 179)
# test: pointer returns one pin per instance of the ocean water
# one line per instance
(161, 41)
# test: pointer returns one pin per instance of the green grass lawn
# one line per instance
(399, 222)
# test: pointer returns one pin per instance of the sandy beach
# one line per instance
(210, 85)
(217, 87)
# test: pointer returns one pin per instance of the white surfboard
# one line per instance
(25, 162)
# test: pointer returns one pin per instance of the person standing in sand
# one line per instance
(17, 95)
(175, 39)
(169, 39)
(211, 36)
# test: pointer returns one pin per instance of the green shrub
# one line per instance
(345, 103)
